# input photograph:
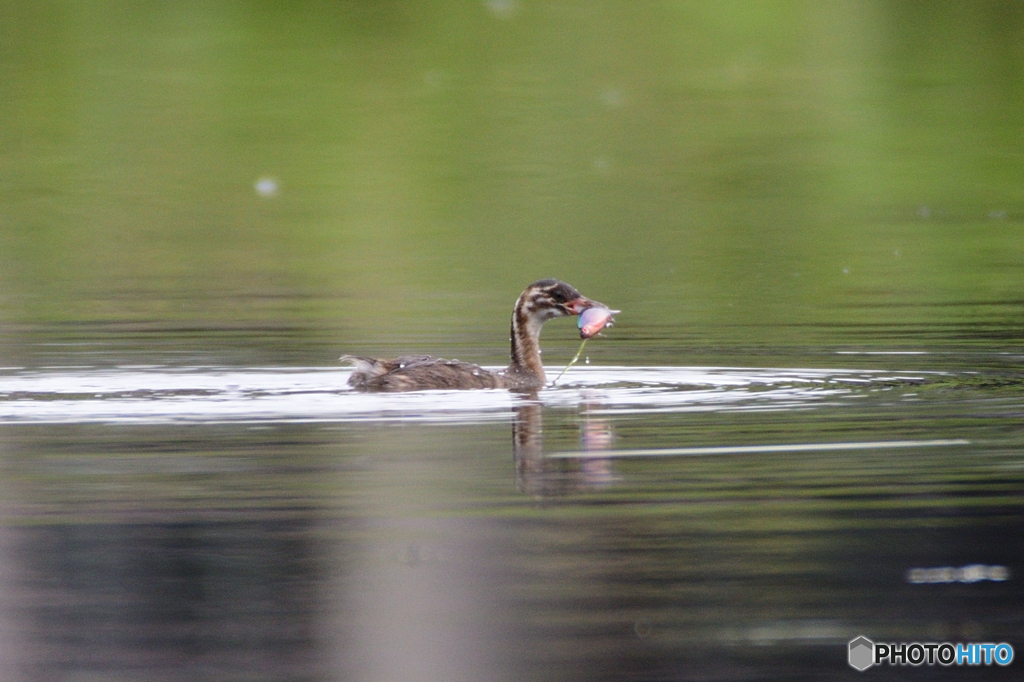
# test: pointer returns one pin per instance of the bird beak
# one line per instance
(578, 305)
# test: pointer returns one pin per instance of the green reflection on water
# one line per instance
(728, 173)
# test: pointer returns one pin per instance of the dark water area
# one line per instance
(630, 523)
(805, 425)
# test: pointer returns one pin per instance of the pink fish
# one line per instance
(593, 320)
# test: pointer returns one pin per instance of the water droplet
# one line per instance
(611, 97)
(503, 9)
(266, 187)
(435, 80)
(602, 164)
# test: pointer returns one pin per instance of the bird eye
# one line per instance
(563, 293)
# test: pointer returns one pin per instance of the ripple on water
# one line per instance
(154, 395)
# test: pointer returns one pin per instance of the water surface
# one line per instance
(804, 427)
(630, 523)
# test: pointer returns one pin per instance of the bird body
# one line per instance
(543, 300)
(418, 372)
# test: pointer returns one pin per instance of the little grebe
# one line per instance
(541, 301)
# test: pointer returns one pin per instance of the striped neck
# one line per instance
(525, 364)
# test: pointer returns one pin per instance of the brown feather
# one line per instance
(419, 372)
(541, 301)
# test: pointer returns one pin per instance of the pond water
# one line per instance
(805, 425)
(632, 522)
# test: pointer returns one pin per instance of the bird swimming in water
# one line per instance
(543, 300)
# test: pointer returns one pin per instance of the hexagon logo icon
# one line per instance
(862, 653)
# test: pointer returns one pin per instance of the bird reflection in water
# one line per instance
(541, 301)
(544, 477)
